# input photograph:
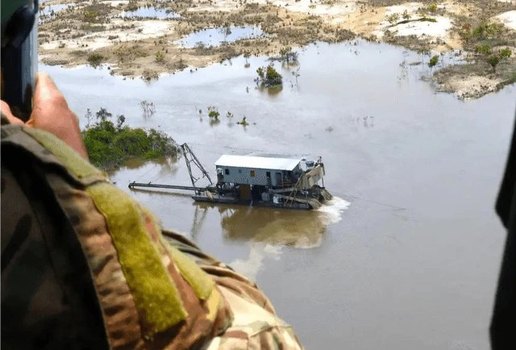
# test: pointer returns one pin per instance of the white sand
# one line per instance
(438, 29)
(508, 19)
(471, 86)
(317, 8)
(116, 3)
(143, 30)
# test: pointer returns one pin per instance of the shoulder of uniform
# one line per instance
(50, 150)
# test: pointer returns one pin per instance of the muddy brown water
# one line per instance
(407, 256)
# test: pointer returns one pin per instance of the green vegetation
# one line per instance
(90, 15)
(160, 57)
(483, 49)
(432, 7)
(496, 57)
(243, 122)
(484, 31)
(393, 18)
(433, 61)
(268, 76)
(95, 59)
(213, 112)
(491, 56)
(110, 146)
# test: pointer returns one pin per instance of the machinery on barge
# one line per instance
(294, 183)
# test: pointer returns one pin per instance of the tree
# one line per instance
(148, 109)
(268, 76)
(433, 61)
(493, 58)
(288, 56)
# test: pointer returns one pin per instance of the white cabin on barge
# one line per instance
(270, 181)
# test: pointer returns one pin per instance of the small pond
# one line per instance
(150, 12)
(52, 10)
(219, 35)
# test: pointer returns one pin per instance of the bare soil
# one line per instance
(100, 33)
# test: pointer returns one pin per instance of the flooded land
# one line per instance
(406, 256)
(411, 106)
(146, 38)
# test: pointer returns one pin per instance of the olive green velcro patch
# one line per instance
(156, 296)
(77, 165)
(199, 280)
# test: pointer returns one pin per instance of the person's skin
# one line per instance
(51, 113)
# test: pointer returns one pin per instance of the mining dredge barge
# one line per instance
(255, 181)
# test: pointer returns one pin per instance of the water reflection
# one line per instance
(295, 228)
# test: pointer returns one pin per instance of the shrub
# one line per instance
(393, 18)
(95, 59)
(483, 31)
(109, 146)
(213, 112)
(433, 61)
(483, 49)
(432, 8)
(288, 55)
(495, 58)
(160, 57)
(268, 76)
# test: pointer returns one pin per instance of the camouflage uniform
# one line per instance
(85, 266)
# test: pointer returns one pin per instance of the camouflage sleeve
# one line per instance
(255, 324)
(48, 299)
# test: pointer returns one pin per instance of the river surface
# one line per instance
(406, 256)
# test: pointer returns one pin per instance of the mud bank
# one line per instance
(146, 38)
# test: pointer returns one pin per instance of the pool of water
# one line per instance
(52, 10)
(407, 256)
(217, 36)
(150, 12)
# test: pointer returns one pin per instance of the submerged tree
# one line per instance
(148, 109)
(268, 76)
(288, 56)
